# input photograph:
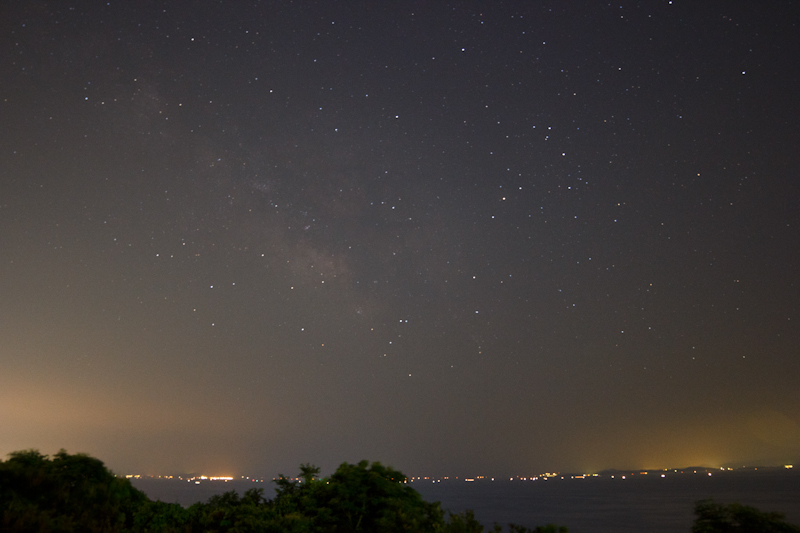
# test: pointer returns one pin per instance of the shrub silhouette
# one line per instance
(714, 517)
(77, 493)
(65, 493)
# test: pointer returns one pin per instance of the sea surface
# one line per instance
(601, 504)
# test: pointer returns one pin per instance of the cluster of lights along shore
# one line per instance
(197, 479)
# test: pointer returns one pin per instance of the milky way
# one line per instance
(536, 237)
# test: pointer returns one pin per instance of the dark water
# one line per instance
(639, 503)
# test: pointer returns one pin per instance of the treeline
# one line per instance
(77, 493)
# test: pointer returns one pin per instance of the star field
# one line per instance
(447, 237)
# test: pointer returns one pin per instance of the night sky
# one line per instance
(458, 238)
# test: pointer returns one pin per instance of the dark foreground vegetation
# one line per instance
(711, 517)
(69, 493)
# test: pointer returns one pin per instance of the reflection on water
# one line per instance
(642, 503)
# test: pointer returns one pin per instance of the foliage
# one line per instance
(160, 517)
(76, 493)
(64, 493)
(360, 497)
(230, 512)
(714, 517)
(463, 523)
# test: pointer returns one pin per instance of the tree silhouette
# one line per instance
(77, 493)
(65, 493)
(712, 517)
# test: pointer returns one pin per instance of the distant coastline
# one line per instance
(613, 473)
(645, 502)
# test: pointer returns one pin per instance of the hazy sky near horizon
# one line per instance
(456, 238)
